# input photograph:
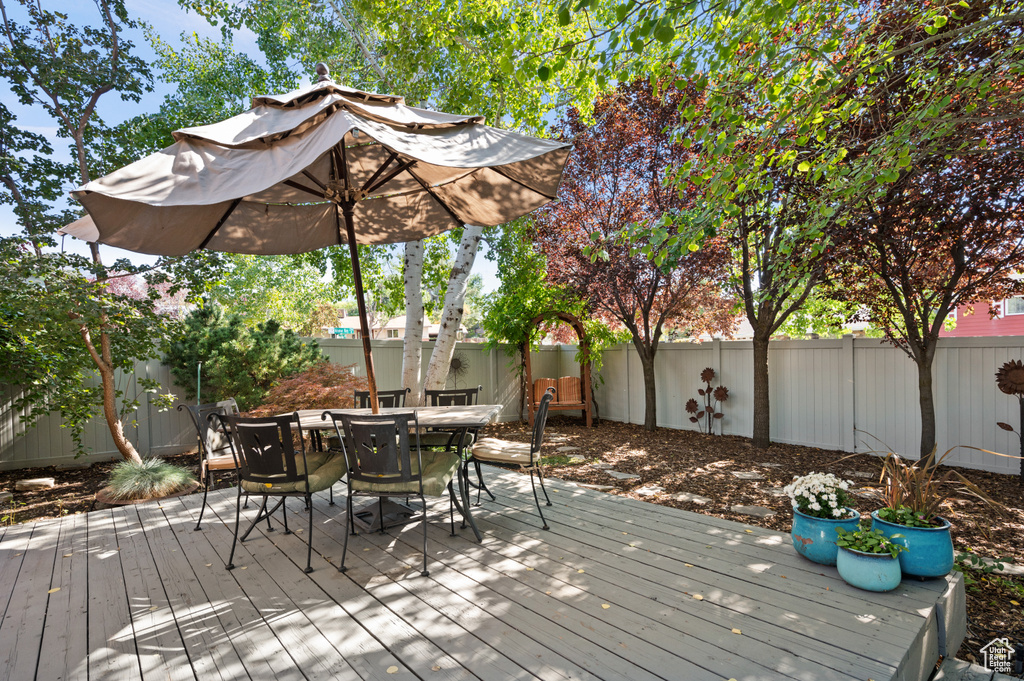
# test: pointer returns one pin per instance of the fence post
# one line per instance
(848, 396)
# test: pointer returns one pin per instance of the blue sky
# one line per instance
(170, 21)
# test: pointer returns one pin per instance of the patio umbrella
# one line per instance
(324, 165)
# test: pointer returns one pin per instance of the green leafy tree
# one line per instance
(283, 288)
(237, 360)
(82, 320)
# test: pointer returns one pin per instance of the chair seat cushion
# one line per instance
(326, 468)
(441, 439)
(438, 470)
(221, 463)
(502, 451)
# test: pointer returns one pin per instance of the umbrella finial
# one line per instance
(323, 73)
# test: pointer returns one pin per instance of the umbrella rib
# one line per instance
(404, 166)
(380, 170)
(447, 208)
(313, 179)
(501, 172)
(223, 218)
(301, 187)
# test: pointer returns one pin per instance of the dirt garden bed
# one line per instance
(700, 465)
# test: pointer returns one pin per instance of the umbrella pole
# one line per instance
(364, 325)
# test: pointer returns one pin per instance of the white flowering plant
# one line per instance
(821, 495)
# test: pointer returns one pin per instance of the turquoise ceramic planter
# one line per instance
(929, 549)
(868, 571)
(815, 538)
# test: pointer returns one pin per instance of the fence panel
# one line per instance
(850, 394)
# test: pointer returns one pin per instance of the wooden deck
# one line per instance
(618, 589)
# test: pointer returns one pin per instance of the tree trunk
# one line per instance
(762, 404)
(650, 389)
(451, 318)
(927, 401)
(412, 358)
(104, 365)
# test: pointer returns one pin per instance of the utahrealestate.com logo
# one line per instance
(999, 655)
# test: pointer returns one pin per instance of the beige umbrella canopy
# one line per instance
(320, 166)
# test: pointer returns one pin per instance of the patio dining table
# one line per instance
(462, 418)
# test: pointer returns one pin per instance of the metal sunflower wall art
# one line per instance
(713, 397)
(458, 368)
(1010, 379)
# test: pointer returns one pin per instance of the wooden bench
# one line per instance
(568, 392)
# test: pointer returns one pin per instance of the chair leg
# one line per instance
(351, 519)
(238, 519)
(425, 572)
(480, 484)
(537, 499)
(451, 506)
(284, 512)
(344, 545)
(205, 478)
(331, 502)
(309, 539)
(380, 513)
(540, 475)
(259, 517)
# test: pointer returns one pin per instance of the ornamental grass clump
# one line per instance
(821, 495)
(153, 478)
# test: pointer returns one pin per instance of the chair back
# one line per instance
(540, 421)
(385, 398)
(453, 398)
(212, 438)
(265, 451)
(377, 447)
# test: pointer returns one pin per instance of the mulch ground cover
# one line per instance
(703, 465)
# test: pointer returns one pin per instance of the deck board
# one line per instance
(606, 594)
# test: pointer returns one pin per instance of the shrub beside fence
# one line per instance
(855, 395)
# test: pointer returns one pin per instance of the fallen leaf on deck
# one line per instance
(435, 668)
(736, 631)
(580, 571)
(68, 555)
(698, 597)
(687, 565)
(749, 531)
(605, 606)
(529, 568)
(209, 565)
(53, 591)
(392, 669)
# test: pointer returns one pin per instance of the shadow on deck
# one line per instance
(618, 589)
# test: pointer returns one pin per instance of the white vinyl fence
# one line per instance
(849, 394)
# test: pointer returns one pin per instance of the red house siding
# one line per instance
(980, 323)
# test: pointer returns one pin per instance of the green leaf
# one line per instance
(564, 17)
(544, 72)
(804, 166)
(664, 33)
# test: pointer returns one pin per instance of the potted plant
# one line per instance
(868, 559)
(131, 483)
(820, 505)
(912, 493)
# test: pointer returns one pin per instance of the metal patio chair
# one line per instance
(270, 465)
(450, 439)
(385, 398)
(525, 455)
(214, 447)
(383, 463)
